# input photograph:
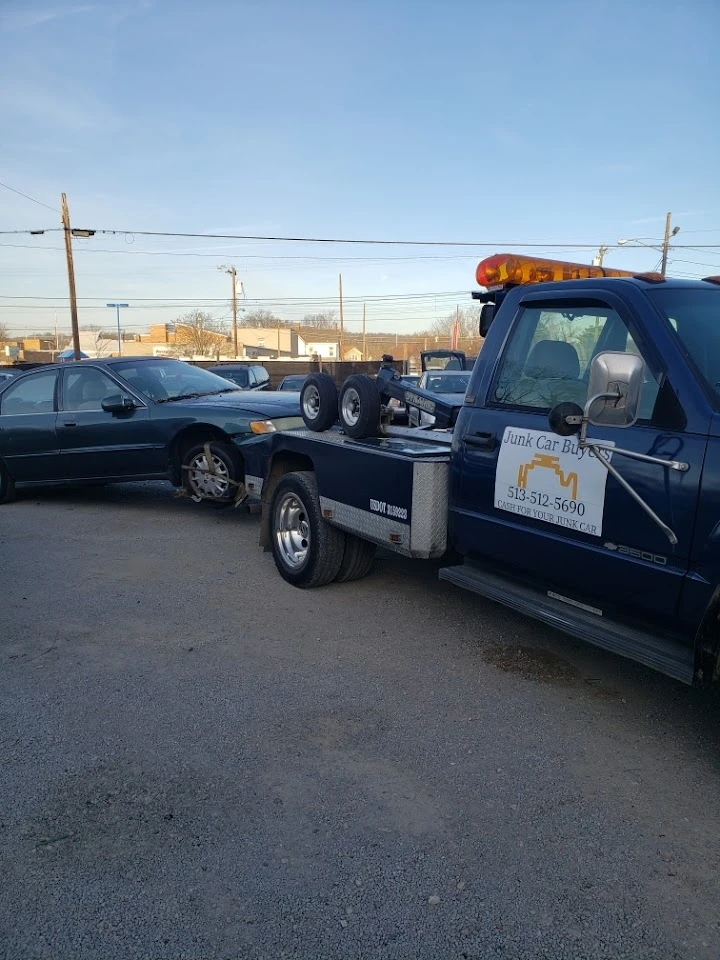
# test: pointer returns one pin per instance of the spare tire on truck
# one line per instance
(359, 407)
(319, 402)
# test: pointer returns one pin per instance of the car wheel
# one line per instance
(319, 402)
(7, 486)
(212, 481)
(358, 559)
(359, 407)
(308, 551)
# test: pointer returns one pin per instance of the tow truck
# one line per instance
(578, 478)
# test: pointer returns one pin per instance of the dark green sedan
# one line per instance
(139, 418)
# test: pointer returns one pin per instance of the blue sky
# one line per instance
(455, 120)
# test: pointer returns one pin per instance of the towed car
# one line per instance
(446, 383)
(139, 418)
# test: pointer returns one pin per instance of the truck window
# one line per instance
(548, 355)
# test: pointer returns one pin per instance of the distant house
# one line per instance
(326, 350)
(354, 355)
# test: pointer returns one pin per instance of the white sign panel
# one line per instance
(546, 477)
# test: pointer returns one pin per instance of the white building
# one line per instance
(326, 350)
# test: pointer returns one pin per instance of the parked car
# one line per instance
(400, 414)
(247, 376)
(6, 373)
(293, 382)
(140, 418)
(445, 383)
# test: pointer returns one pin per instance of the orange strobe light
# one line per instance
(507, 268)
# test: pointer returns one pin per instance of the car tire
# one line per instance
(359, 407)
(7, 485)
(319, 402)
(307, 550)
(219, 491)
(358, 559)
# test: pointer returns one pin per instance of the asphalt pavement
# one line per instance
(199, 761)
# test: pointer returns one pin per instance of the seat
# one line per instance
(551, 376)
(94, 391)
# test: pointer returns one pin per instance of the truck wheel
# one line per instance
(319, 401)
(214, 489)
(358, 559)
(307, 551)
(359, 407)
(7, 486)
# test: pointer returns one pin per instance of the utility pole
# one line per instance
(71, 276)
(598, 260)
(666, 243)
(364, 336)
(233, 276)
(342, 318)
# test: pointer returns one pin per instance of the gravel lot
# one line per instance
(199, 761)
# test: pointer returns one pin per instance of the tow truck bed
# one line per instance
(392, 490)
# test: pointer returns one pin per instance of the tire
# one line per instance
(359, 407)
(7, 486)
(358, 559)
(319, 402)
(307, 551)
(217, 492)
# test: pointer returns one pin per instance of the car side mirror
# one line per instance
(117, 403)
(487, 312)
(614, 389)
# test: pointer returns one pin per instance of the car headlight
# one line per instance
(277, 425)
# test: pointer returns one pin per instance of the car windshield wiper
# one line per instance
(194, 396)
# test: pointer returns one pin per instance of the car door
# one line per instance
(28, 439)
(548, 511)
(96, 444)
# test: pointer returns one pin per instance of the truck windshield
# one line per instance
(695, 315)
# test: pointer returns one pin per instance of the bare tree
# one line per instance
(321, 321)
(4, 333)
(260, 318)
(469, 324)
(199, 333)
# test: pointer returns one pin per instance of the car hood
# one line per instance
(266, 405)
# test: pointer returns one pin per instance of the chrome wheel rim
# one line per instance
(311, 402)
(351, 407)
(206, 484)
(292, 532)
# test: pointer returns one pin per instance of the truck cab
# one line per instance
(532, 510)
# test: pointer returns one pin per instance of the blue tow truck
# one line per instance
(578, 478)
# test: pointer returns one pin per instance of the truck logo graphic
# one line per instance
(544, 460)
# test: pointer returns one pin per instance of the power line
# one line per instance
(28, 197)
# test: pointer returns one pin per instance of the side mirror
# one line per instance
(117, 404)
(487, 312)
(616, 381)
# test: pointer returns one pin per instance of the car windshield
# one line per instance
(448, 384)
(292, 383)
(694, 314)
(165, 379)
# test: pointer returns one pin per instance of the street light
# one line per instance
(662, 248)
(117, 306)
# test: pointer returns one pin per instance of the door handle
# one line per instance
(485, 441)
(70, 423)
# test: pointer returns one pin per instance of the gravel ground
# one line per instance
(199, 761)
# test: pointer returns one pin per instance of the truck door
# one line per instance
(533, 503)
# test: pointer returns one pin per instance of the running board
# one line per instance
(653, 651)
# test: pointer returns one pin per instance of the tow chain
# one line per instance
(241, 493)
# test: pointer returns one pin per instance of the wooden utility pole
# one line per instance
(364, 336)
(666, 244)
(71, 276)
(342, 318)
(233, 277)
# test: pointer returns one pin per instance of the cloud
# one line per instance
(23, 18)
